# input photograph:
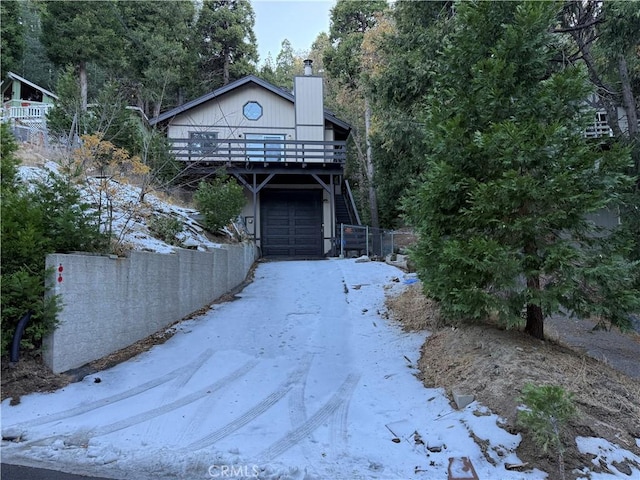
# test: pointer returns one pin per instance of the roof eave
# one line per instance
(15, 76)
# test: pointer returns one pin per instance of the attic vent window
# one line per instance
(252, 110)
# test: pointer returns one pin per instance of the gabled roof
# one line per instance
(15, 76)
(328, 115)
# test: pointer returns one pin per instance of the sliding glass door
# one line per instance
(265, 147)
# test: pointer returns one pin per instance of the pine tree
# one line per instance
(225, 41)
(158, 64)
(12, 34)
(407, 54)
(502, 208)
(79, 32)
(343, 61)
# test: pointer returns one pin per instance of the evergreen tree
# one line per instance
(604, 38)
(226, 43)
(343, 61)
(79, 32)
(287, 66)
(158, 64)
(406, 54)
(49, 217)
(501, 210)
(268, 70)
(36, 66)
(12, 36)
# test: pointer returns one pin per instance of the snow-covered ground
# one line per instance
(131, 216)
(302, 377)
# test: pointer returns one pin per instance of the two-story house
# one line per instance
(287, 151)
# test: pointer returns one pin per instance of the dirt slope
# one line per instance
(494, 365)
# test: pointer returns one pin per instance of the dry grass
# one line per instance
(495, 364)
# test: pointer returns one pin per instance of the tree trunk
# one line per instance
(535, 321)
(82, 72)
(627, 97)
(226, 67)
(535, 318)
(157, 106)
(373, 197)
(612, 115)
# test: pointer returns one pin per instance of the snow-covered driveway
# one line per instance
(302, 377)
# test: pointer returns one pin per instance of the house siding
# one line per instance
(225, 116)
(309, 108)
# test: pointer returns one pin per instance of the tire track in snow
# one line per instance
(178, 384)
(180, 402)
(339, 430)
(156, 412)
(254, 412)
(197, 419)
(293, 437)
(297, 409)
(298, 412)
(103, 402)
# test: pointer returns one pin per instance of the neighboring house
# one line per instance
(286, 150)
(25, 106)
(606, 218)
(600, 126)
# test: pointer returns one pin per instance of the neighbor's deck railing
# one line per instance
(600, 128)
(262, 150)
(25, 111)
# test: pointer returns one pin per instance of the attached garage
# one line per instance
(291, 223)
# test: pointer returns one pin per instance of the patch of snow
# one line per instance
(130, 218)
(606, 454)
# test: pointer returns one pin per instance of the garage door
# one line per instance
(291, 223)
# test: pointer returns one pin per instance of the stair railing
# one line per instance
(351, 204)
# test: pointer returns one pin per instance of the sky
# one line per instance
(316, 382)
(299, 21)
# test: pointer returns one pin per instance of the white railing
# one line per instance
(26, 111)
(599, 128)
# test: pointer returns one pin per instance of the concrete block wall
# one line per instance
(110, 303)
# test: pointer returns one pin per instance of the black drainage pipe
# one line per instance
(17, 337)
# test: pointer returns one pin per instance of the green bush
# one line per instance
(23, 291)
(44, 218)
(219, 201)
(9, 162)
(166, 229)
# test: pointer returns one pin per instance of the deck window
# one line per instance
(202, 144)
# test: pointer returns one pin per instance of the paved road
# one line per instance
(619, 350)
(17, 472)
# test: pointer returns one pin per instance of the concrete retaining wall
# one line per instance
(110, 303)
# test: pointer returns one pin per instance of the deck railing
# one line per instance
(600, 128)
(25, 111)
(263, 150)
